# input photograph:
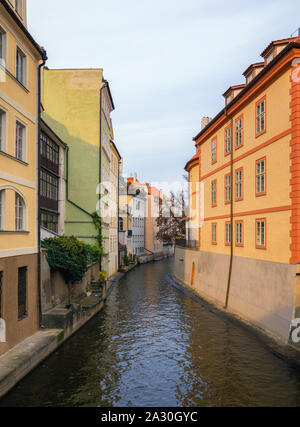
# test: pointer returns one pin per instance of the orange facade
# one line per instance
(248, 165)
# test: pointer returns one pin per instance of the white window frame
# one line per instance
(2, 210)
(214, 150)
(228, 188)
(228, 140)
(214, 193)
(24, 56)
(261, 117)
(239, 233)
(4, 45)
(261, 233)
(19, 197)
(3, 129)
(214, 233)
(260, 177)
(228, 233)
(239, 184)
(24, 148)
(239, 132)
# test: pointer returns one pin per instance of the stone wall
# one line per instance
(55, 290)
(261, 292)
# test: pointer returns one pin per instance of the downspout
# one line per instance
(44, 59)
(231, 216)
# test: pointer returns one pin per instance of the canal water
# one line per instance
(152, 345)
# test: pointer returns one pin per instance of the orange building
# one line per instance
(245, 196)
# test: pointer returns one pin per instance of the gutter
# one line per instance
(44, 58)
(22, 27)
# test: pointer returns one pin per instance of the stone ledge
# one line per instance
(21, 359)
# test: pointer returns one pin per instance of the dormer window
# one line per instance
(250, 78)
(270, 58)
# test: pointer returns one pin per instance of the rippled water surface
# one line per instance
(152, 345)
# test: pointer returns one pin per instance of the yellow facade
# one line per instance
(19, 115)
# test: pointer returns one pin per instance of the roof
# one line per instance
(194, 158)
(14, 16)
(252, 66)
(231, 88)
(264, 71)
(278, 43)
(115, 147)
(47, 128)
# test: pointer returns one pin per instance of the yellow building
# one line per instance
(20, 58)
(244, 196)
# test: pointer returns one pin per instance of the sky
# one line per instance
(168, 63)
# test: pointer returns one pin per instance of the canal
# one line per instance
(152, 345)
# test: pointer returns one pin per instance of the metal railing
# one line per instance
(188, 244)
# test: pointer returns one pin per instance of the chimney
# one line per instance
(205, 121)
(134, 177)
(299, 31)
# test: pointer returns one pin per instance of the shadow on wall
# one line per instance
(261, 292)
(83, 157)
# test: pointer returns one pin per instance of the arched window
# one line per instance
(20, 213)
(2, 210)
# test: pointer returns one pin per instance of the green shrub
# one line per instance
(69, 256)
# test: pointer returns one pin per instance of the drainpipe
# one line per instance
(44, 59)
(119, 264)
(231, 216)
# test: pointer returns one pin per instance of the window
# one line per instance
(239, 233)
(214, 234)
(49, 221)
(250, 78)
(261, 117)
(49, 186)
(49, 149)
(228, 233)
(261, 177)
(2, 210)
(121, 224)
(214, 150)
(22, 293)
(20, 213)
(261, 233)
(2, 130)
(239, 132)
(20, 141)
(2, 47)
(1, 294)
(227, 140)
(20, 66)
(214, 193)
(239, 184)
(227, 188)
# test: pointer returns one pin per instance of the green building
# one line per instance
(77, 105)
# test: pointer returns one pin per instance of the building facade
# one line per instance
(52, 183)
(77, 107)
(114, 202)
(154, 204)
(244, 196)
(20, 61)
(137, 202)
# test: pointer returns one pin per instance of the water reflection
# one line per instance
(154, 346)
